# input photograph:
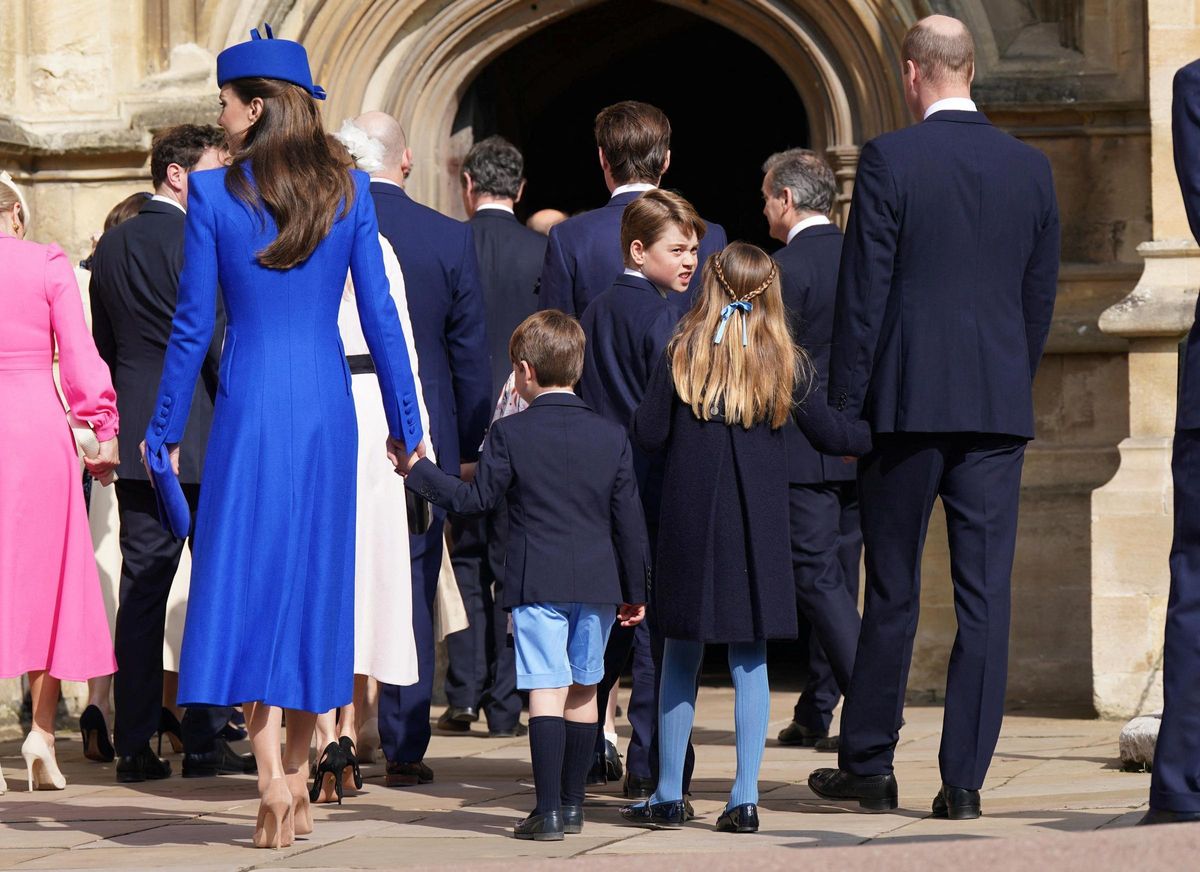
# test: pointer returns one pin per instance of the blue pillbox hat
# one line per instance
(268, 58)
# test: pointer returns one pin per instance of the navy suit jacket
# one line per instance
(1185, 130)
(445, 303)
(808, 274)
(576, 532)
(627, 328)
(510, 261)
(134, 292)
(948, 277)
(584, 257)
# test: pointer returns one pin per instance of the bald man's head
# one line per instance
(943, 49)
(387, 130)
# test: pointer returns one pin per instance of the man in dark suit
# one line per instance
(135, 278)
(946, 291)
(445, 303)
(799, 190)
(583, 258)
(481, 673)
(1175, 783)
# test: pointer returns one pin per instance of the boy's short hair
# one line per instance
(552, 343)
(635, 138)
(651, 215)
(184, 145)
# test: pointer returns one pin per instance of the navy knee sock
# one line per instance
(751, 712)
(547, 743)
(577, 759)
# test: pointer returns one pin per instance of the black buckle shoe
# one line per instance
(873, 792)
(956, 803)
(637, 787)
(659, 815)
(739, 819)
(572, 819)
(546, 827)
(142, 766)
(221, 760)
(800, 736)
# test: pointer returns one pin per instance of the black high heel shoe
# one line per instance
(351, 760)
(168, 725)
(96, 744)
(333, 761)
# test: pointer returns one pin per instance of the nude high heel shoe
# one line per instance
(43, 769)
(3, 784)
(302, 820)
(274, 827)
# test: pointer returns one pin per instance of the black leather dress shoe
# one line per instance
(572, 819)
(873, 792)
(546, 827)
(637, 787)
(513, 732)
(828, 744)
(1162, 816)
(956, 803)
(221, 760)
(142, 766)
(613, 768)
(798, 735)
(739, 819)
(659, 815)
(407, 774)
(457, 720)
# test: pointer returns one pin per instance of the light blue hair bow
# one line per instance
(744, 307)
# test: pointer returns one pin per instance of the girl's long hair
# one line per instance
(296, 177)
(750, 375)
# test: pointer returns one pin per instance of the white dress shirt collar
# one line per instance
(637, 273)
(811, 221)
(640, 187)
(954, 104)
(499, 207)
(159, 198)
(384, 181)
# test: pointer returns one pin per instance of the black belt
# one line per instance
(360, 363)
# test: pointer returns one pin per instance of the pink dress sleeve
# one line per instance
(86, 381)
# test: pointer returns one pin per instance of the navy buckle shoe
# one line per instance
(739, 819)
(659, 815)
(546, 827)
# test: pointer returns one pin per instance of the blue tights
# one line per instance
(677, 711)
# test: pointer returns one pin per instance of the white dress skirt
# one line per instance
(384, 645)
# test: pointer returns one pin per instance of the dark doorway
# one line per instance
(730, 106)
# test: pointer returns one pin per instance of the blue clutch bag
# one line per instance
(174, 513)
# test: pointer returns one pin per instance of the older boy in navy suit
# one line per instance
(945, 296)
(584, 255)
(577, 556)
(798, 193)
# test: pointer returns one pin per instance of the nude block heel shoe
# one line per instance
(274, 829)
(43, 769)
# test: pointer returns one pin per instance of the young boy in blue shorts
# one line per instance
(576, 557)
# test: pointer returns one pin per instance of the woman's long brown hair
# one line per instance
(296, 177)
(746, 384)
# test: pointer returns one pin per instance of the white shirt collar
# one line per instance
(640, 187)
(556, 391)
(499, 207)
(637, 273)
(956, 104)
(161, 199)
(811, 221)
(384, 181)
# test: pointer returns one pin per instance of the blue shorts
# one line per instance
(559, 644)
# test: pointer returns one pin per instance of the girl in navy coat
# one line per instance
(716, 405)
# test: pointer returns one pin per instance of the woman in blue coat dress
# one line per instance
(271, 616)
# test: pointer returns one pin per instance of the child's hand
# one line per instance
(631, 616)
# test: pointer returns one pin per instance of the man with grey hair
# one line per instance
(482, 673)
(799, 191)
(445, 302)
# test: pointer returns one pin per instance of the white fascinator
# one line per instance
(7, 181)
(367, 151)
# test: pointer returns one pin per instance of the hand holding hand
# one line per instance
(104, 461)
(631, 615)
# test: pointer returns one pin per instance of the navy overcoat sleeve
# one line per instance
(557, 288)
(629, 531)
(1185, 131)
(865, 278)
(493, 477)
(651, 426)
(830, 431)
(470, 360)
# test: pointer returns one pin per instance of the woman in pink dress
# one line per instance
(52, 622)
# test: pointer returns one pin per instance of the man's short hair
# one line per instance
(552, 343)
(495, 166)
(651, 216)
(941, 55)
(811, 181)
(635, 138)
(183, 145)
